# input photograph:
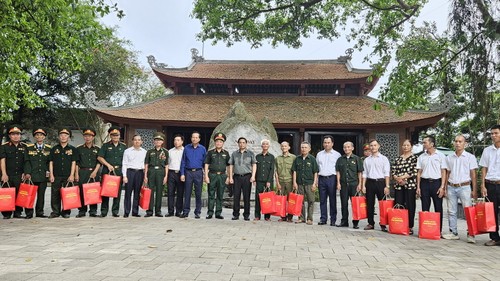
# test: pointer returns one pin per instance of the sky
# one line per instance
(165, 29)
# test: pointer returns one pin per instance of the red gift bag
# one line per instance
(359, 211)
(26, 195)
(485, 213)
(145, 197)
(471, 218)
(266, 200)
(397, 219)
(92, 193)
(429, 225)
(70, 196)
(385, 204)
(7, 198)
(279, 205)
(295, 201)
(110, 185)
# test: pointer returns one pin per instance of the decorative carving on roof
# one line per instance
(195, 56)
(91, 100)
(153, 64)
(347, 57)
(445, 105)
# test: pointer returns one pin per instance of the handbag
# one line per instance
(358, 204)
(70, 196)
(485, 214)
(7, 198)
(397, 218)
(266, 200)
(110, 185)
(279, 205)
(26, 195)
(429, 225)
(92, 193)
(384, 205)
(471, 218)
(295, 202)
(144, 197)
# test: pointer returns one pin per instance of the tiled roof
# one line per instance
(266, 70)
(310, 110)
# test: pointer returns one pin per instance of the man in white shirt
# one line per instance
(376, 173)
(431, 177)
(490, 178)
(461, 169)
(326, 159)
(133, 174)
(174, 184)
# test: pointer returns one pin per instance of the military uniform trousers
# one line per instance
(14, 181)
(216, 189)
(40, 200)
(115, 208)
(135, 180)
(260, 186)
(84, 175)
(309, 198)
(286, 188)
(175, 193)
(155, 182)
(347, 190)
(55, 196)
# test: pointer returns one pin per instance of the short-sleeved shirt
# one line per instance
(87, 156)
(62, 158)
(36, 162)
(406, 166)
(349, 167)
(14, 157)
(460, 167)
(376, 167)
(431, 165)
(491, 159)
(305, 169)
(326, 162)
(113, 154)
(157, 157)
(217, 160)
(283, 167)
(265, 167)
(242, 162)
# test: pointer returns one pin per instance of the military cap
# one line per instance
(159, 136)
(14, 129)
(114, 130)
(39, 130)
(65, 131)
(220, 136)
(366, 146)
(89, 131)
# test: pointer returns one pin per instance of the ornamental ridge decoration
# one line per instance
(153, 64)
(347, 57)
(195, 56)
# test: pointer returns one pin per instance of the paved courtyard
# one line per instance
(190, 249)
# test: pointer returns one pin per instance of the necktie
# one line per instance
(39, 147)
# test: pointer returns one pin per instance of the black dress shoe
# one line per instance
(29, 217)
(116, 215)
(18, 217)
(196, 216)
(159, 215)
(41, 216)
(208, 217)
(53, 216)
(93, 215)
(66, 216)
(342, 225)
(103, 216)
(178, 215)
(246, 218)
(148, 215)
(355, 226)
(136, 215)
(125, 215)
(80, 215)
(321, 223)
(183, 216)
(6, 218)
(219, 217)
(383, 228)
(169, 215)
(235, 218)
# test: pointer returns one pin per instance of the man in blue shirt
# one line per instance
(192, 161)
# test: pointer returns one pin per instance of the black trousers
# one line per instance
(428, 191)
(14, 181)
(494, 196)
(373, 189)
(175, 189)
(243, 185)
(347, 190)
(407, 198)
(40, 199)
(135, 180)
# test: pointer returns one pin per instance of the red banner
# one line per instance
(295, 204)
(359, 208)
(110, 185)
(92, 193)
(429, 225)
(26, 195)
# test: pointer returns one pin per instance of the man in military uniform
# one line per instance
(12, 164)
(36, 169)
(305, 180)
(349, 169)
(216, 170)
(156, 171)
(87, 168)
(264, 176)
(283, 175)
(62, 167)
(110, 156)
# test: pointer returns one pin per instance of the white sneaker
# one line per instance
(471, 239)
(451, 236)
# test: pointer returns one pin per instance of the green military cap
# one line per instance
(39, 131)
(114, 130)
(65, 131)
(159, 136)
(14, 129)
(220, 136)
(89, 131)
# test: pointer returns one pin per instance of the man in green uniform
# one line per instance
(216, 170)
(111, 156)
(36, 169)
(305, 179)
(156, 171)
(12, 164)
(349, 169)
(264, 176)
(283, 174)
(62, 167)
(87, 168)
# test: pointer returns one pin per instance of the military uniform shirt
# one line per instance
(113, 154)
(87, 156)
(305, 169)
(62, 158)
(217, 161)
(14, 157)
(265, 167)
(36, 162)
(156, 158)
(349, 168)
(283, 167)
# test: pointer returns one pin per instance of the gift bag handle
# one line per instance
(93, 180)
(3, 184)
(387, 197)
(398, 206)
(28, 181)
(112, 171)
(358, 193)
(68, 182)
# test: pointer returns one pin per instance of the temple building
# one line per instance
(304, 100)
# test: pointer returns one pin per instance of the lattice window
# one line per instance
(147, 137)
(389, 145)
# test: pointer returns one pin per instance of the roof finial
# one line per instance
(153, 64)
(195, 56)
(347, 57)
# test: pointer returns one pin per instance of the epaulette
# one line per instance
(30, 144)
(48, 146)
(123, 143)
(23, 143)
(5, 143)
(81, 145)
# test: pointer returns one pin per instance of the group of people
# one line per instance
(431, 176)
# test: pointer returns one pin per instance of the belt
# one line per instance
(217, 173)
(117, 167)
(492, 182)
(174, 171)
(88, 169)
(375, 179)
(135, 170)
(431, 180)
(193, 170)
(155, 167)
(327, 177)
(242, 175)
(467, 183)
